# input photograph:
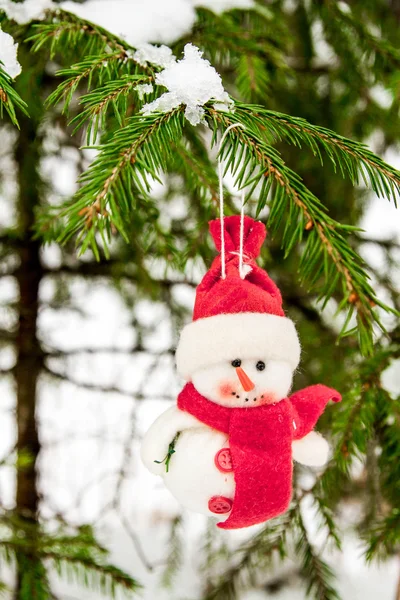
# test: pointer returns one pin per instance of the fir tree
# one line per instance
(298, 150)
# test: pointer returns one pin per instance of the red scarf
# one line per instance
(260, 440)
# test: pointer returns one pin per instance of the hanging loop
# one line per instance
(241, 270)
(221, 208)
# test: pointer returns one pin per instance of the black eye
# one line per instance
(260, 366)
(236, 363)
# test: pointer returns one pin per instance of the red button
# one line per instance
(223, 460)
(219, 505)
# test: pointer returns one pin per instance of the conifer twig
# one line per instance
(316, 572)
(352, 158)
(9, 99)
(293, 206)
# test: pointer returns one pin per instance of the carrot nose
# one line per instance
(245, 380)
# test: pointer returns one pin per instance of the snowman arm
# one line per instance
(309, 404)
(312, 450)
(156, 441)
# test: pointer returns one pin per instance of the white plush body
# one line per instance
(192, 477)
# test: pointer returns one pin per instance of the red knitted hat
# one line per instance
(237, 315)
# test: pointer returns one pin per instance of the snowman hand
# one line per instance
(312, 450)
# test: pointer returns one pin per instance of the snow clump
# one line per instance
(138, 21)
(141, 21)
(191, 81)
(145, 88)
(161, 56)
(8, 55)
(219, 6)
(25, 12)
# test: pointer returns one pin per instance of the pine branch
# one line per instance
(103, 205)
(387, 431)
(199, 174)
(104, 66)
(253, 556)
(385, 537)
(175, 552)
(78, 556)
(9, 99)
(352, 158)
(327, 518)
(315, 571)
(253, 78)
(367, 415)
(132, 159)
(133, 156)
(96, 104)
(326, 252)
(4, 590)
(350, 67)
(226, 37)
(66, 32)
(90, 573)
(34, 581)
(369, 42)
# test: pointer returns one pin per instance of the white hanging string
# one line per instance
(221, 208)
(241, 271)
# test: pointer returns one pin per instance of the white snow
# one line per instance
(8, 55)
(219, 6)
(157, 55)
(146, 88)
(25, 12)
(191, 81)
(138, 21)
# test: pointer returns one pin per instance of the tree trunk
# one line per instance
(29, 356)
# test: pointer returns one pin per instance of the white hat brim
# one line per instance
(241, 335)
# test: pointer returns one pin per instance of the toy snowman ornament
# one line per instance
(227, 448)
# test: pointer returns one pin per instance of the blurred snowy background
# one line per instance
(109, 366)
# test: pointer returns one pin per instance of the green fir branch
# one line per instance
(366, 415)
(251, 557)
(316, 572)
(104, 66)
(175, 553)
(35, 580)
(4, 590)
(327, 258)
(260, 38)
(383, 540)
(9, 99)
(88, 572)
(253, 78)
(353, 159)
(125, 167)
(199, 173)
(76, 556)
(66, 32)
(327, 518)
(370, 43)
(387, 431)
(116, 93)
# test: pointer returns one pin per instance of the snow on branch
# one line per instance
(136, 21)
(25, 12)
(8, 55)
(160, 56)
(191, 81)
(219, 6)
